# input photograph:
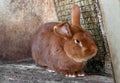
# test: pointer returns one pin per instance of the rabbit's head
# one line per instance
(79, 44)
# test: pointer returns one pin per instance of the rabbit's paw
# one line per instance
(80, 73)
(70, 75)
(50, 70)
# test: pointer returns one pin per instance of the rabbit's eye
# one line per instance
(77, 41)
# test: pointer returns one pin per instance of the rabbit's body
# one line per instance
(63, 47)
(48, 50)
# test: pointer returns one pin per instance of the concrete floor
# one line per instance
(29, 73)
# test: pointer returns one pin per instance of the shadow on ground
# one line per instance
(29, 73)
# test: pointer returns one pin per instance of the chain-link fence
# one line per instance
(91, 20)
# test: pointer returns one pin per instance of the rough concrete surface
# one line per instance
(29, 73)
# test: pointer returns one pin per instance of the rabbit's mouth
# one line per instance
(86, 58)
(83, 55)
(81, 59)
(76, 58)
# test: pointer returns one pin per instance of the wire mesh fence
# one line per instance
(91, 20)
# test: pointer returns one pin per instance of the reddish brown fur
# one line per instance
(75, 15)
(54, 47)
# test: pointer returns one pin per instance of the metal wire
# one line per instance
(90, 19)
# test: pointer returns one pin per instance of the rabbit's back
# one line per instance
(46, 45)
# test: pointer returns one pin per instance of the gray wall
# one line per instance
(111, 16)
(19, 20)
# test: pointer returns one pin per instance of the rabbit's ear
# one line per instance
(63, 30)
(75, 15)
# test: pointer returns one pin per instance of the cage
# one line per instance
(91, 20)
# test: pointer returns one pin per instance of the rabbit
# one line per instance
(63, 47)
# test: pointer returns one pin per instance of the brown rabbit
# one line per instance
(62, 47)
